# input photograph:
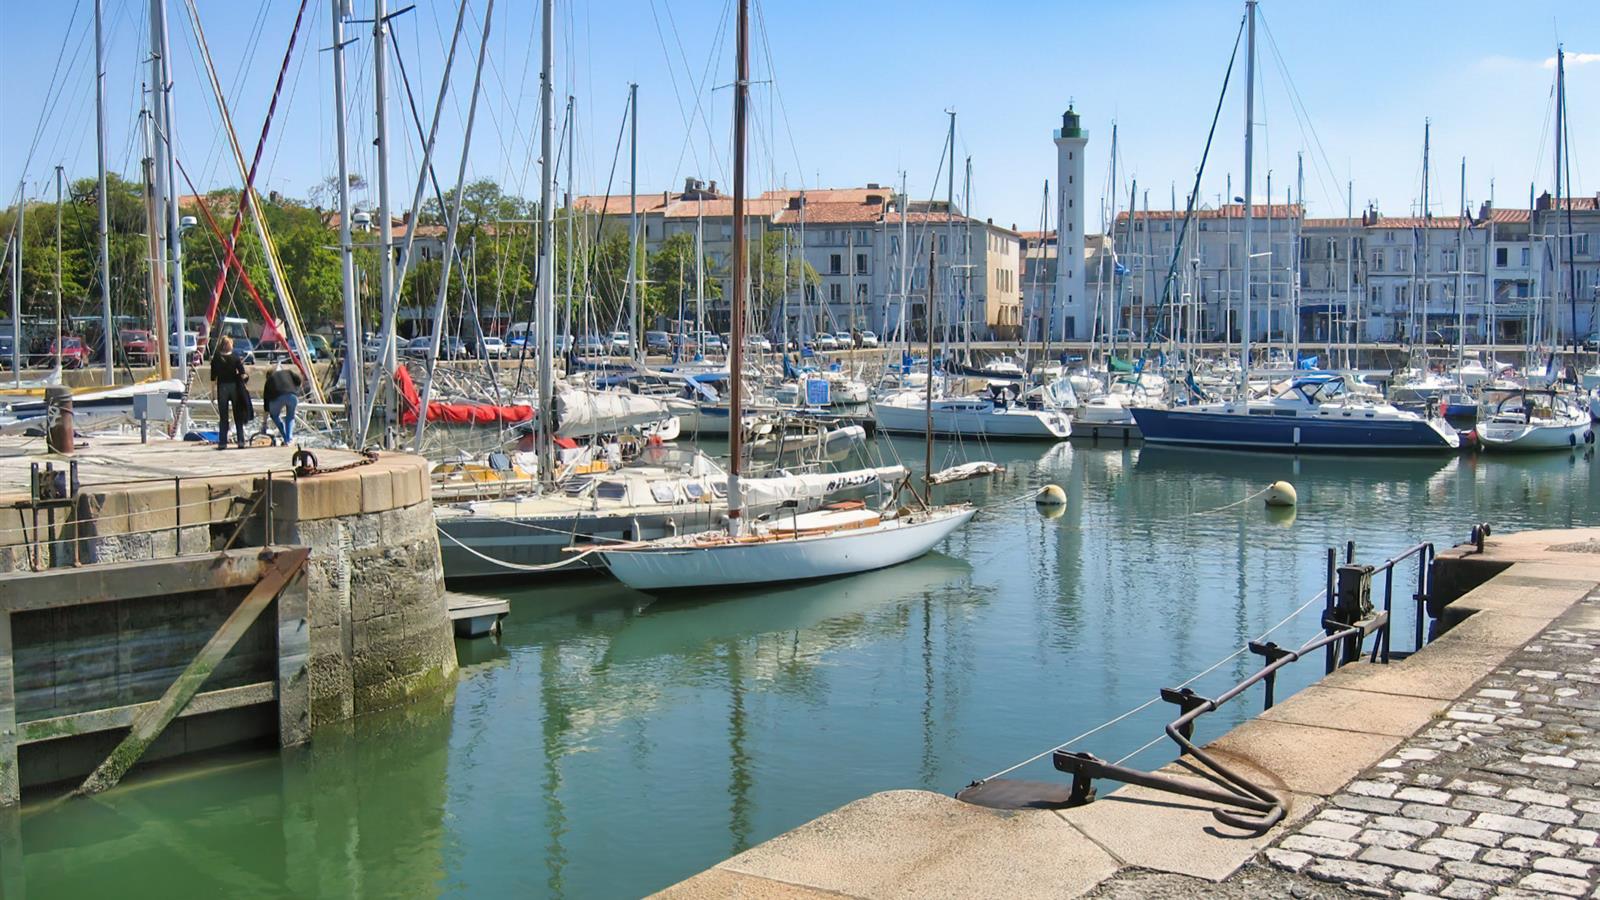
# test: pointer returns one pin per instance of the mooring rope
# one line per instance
(1154, 700)
(1207, 512)
(518, 567)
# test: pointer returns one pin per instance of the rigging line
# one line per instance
(1302, 114)
(672, 75)
(1318, 598)
(777, 90)
(57, 85)
(1194, 195)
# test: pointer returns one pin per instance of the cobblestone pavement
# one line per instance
(1499, 798)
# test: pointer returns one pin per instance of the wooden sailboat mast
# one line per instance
(741, 88)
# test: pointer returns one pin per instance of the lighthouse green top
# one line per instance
(1069, 126)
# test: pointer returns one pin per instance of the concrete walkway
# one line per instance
(1342, 752)
(1500, 797)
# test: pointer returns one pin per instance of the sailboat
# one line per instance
(843, 539)
(1313, 412)
(1536, 420)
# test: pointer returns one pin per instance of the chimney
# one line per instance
(713, 188)
(798, 201)
(690, 185)
(666, 197)
(872, 186)
(1543, 202)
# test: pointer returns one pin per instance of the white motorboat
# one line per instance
(991, 415)
(819, 544)
(1536, 420)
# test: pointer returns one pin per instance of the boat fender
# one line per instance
(1051, 495)
(1572, 440)
(1282, 493)
(1588, 436)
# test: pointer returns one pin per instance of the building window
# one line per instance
(861, 264)
(834, 293)
(1500, 255)
(835, 264)
(1582, 244)
(1377, 260)
(1525, 254)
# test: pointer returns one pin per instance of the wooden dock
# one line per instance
(475, 616)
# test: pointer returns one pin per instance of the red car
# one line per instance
(70, 349)
(138, 347)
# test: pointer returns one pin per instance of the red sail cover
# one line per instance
(455, 413)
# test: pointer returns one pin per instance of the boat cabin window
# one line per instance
(1320, 391)
(694, 490)
(663, 491)
(611, 490)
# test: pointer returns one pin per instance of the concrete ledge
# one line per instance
(1307, 748)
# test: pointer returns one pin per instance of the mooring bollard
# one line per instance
(58, 419)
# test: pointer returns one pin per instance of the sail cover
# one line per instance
(581, 413)
(775, 490)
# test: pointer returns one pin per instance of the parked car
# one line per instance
(267, 352)
(657, 342)
(492, 347)
(138, 346)
(866, 339)
(711, 342)
(318, 346)
(5, 351)
(188, 346)
(593, 345)
(419, 347)
(825, 341)
(621, 342)
(1592, 342)
(759, 343)
(453, 348)
(245, 349)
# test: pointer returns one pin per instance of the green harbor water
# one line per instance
(607, 744)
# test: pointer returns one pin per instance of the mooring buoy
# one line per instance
(1282, 493)
(1051, 495)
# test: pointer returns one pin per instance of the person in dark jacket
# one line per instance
(281, 394)
(232, 394)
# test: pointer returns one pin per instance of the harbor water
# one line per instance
(609, 744)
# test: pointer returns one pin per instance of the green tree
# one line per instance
(767, 272)
(671, 277)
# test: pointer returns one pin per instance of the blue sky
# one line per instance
(857, 92)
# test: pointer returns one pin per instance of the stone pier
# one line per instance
(376, 630)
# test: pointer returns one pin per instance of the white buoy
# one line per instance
(1051, 495)
(1281, 493)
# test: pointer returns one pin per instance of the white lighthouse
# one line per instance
(1068, 313)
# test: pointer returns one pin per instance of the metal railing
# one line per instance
(1349, 617)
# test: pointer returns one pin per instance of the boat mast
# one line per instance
(167, 169)
(741, 87)
(544, 312)
(633, 212)
(16, 284)
(1422, 325)
(1461, 279)
(386, 298)
(949, 223)
(103, 227)
(1047, 314)
(354, 343)
(59, 348)
(1294, 256)
(572, 257)
(1249, 159)
(1110, 256)
(927, 391)
(157, 286)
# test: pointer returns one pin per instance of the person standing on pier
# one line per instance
(281, 394)
(232, 394)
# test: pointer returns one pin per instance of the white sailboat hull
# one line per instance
(1529, 437)
(669, 567)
